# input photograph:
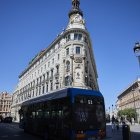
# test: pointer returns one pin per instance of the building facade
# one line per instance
(67, 62)
(130, 98)
(5, 104)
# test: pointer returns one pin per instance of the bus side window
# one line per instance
(33, 115)
(28, 114)
(39, 113)
(46, 114)
(53, 114)
(60, 113)
(66, 112)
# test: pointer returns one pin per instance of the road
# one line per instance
(11, 131)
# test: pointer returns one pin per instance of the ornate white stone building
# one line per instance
(67, 62)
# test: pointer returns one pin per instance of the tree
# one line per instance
(129, 112)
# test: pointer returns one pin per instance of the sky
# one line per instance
(29, 26)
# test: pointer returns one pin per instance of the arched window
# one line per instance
(68, 66)
(68, 81)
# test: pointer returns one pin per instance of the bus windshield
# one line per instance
(89, 113)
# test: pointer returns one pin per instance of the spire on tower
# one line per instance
(75, 8)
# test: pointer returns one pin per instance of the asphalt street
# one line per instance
(11, 131)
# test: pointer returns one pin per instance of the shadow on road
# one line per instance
(115, 134)
(135, 135)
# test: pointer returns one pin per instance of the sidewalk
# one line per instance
(117, 135)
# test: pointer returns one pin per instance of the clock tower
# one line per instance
(76, 16)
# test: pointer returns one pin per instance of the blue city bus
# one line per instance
(67, 114)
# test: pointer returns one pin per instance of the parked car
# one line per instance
(7, 119)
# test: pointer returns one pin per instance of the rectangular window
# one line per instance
(45, 66)
(36, 91)
(56, 87)
(52, 73)
(58, 56)
(39, 90)
(43, 89)
(53, 61)
(43, 77)
(68, 38)
(77, 36)
(47, 88)
(57, 69)
(48, 64)
(67, 51)
(51, 86)
(77, 50)
(47, 75)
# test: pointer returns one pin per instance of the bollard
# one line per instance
(126, 132)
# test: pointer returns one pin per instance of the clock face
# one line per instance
(77, 18)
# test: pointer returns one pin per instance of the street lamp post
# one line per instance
(112, 110)
(137, 51)
(109, 113)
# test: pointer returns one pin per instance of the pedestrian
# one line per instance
(117, 124)
(113, 126)
(131, 121)
(113, 123)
